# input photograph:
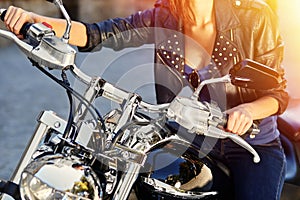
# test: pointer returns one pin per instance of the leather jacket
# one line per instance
(247, 27)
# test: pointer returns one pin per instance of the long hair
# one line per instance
(181, 9)
(273, 4)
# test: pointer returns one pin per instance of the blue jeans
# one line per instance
(253, 181)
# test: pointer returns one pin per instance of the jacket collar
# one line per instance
(225, 16)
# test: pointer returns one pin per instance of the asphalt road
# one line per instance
(24, 92)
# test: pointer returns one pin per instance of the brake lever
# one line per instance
(218, 133)
(26, 48)
(204, 119)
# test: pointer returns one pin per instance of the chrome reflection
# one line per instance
(59, 177)
(162, 187)
(201, 180)
(186, 175)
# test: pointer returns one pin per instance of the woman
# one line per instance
(242, 29)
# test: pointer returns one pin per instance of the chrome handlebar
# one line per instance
(55, 53)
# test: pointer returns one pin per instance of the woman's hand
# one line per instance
(239, 120)
(15, 18)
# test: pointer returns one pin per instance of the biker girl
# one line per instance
(229, 31)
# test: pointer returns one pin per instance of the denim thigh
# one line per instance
(263, 180)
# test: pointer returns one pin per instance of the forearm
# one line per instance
(78, 35)
(261, 108)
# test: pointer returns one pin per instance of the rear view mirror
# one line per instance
(254, 75)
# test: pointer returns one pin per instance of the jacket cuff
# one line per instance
(93, 38)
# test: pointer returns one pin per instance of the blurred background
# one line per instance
(24, 92)
(289, 17)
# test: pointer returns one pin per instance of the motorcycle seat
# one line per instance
(291, 158)
(289, 124)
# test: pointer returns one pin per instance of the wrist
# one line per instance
(248, 108)
(36, 18)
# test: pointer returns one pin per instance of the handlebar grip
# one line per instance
(3, 15)
(252, 131)
(25, 27)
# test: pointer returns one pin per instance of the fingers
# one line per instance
(15, 18)
(19, 23)
(239, 121)
(10, 17)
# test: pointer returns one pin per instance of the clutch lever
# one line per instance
(26, 48)
(43, 48)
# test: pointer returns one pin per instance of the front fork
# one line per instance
(47, 120)
(126, 182)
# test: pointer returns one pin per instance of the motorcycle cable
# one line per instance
(24, 31)
(71, 111)
(78, 96)
(123, 129)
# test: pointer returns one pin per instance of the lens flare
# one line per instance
(289, 16)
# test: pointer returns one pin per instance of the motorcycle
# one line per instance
(133, 147)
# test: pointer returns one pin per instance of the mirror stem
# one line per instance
(60, 5)
(224, 79)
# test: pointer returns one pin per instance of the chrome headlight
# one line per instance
(58, 177)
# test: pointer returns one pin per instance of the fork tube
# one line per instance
(126, 182)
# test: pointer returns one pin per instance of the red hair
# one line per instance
(182, 9)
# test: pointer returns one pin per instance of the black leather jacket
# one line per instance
(247, 27)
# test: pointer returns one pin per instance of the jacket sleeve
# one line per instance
(120, 33)
(269, 51)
